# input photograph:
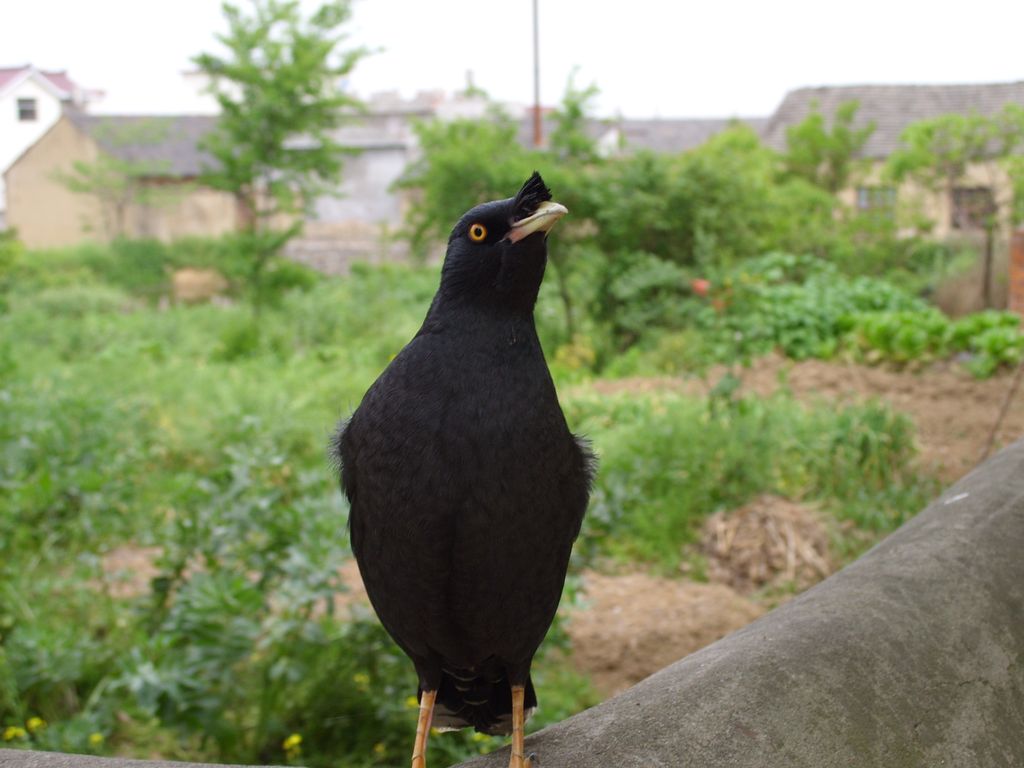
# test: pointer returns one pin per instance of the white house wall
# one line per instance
(17, 136)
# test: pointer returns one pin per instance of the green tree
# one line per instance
(941, 153)
(1011, 131)
(462, 163)
(570, 140)
(575, 155)
(826, 155)
(1015, 170)
(279, 87)
(703, 207)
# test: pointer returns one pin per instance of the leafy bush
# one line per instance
(667, 462)
(988, 339)
(642, 292)
(68, 462)
(800, 306)
(995, 347)
(902, 337)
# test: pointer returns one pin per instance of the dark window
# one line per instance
(26, 110)
(876, 200)
(972, 208)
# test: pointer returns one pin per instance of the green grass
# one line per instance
(185, 428)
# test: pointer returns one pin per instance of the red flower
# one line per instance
(700, 286)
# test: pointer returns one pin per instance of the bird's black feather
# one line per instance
(466, 487)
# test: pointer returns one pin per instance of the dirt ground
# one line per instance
(128, 570)
(632, 625)
(954, 412)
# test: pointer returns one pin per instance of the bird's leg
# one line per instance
(518, 759)
(419, 749)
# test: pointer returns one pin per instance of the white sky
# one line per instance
(649, 57)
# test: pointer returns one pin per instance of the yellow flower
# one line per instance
(412, 703)
(292, 742)
(95, 739)
(35, 724)
(13, 732)
(379, 749)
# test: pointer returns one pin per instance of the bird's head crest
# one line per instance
(530, 196)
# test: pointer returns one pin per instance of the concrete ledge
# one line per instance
(911, 656)
(22, 758)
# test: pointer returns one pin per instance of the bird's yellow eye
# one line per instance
(477, 233)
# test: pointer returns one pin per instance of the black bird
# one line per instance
(466, 487)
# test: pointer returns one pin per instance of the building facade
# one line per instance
(31, 101)
(891, 109)
(151, 165)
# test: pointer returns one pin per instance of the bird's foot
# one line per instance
(519, 761)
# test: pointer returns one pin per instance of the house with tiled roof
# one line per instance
(351, 221)
(162, 156)
(669, 135)
(891, 109)
(354, 220)
(31, 101)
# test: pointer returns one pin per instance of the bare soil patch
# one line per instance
(194, 286)
(128, 570)
(769, 542)
(634, 624)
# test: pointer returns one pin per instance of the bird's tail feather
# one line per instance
(480, 702)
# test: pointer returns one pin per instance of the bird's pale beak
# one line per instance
(542, 220)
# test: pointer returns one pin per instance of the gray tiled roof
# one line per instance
(891, 107)
(677, 135)
(656, 135)
(593, 128)
(169, 143)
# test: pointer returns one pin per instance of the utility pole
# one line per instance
(538, 134)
